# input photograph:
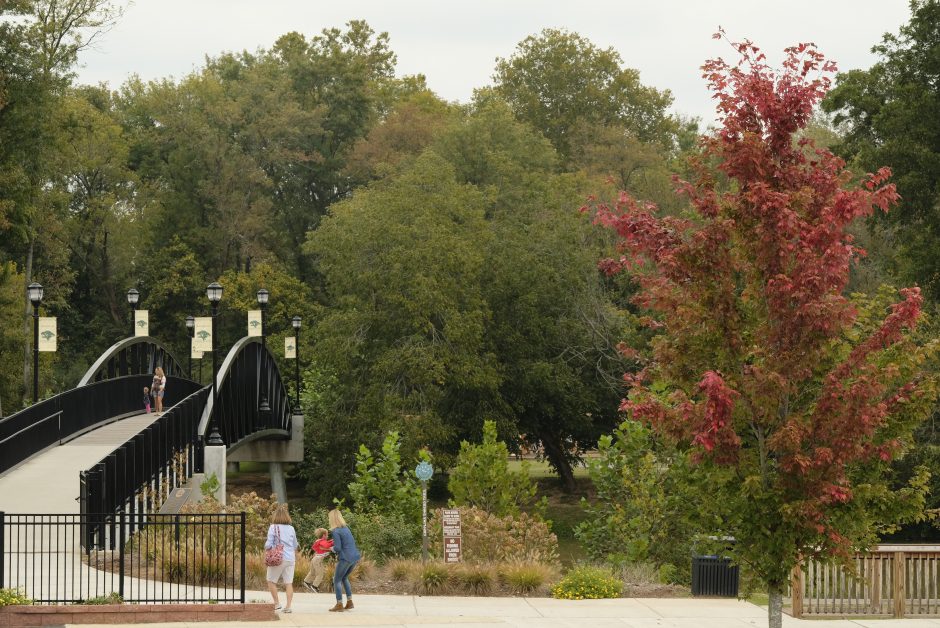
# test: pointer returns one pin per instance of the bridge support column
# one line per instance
(278, 483)
(215, 464)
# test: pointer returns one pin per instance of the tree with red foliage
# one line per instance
(793, 397)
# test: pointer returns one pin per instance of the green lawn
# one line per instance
(540, 469)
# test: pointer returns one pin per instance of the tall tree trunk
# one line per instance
(775, 607)
(27, 332)
(556, 456)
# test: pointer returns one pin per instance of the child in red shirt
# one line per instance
(321, 549)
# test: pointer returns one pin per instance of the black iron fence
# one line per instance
(138, 476)
(155, 558)
(58, 418)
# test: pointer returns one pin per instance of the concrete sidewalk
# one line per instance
(379, 611)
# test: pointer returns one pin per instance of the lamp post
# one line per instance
(264, 408)
(214, 294)
(133, 296)
(34, 291)
(296, 323)
(191, 329)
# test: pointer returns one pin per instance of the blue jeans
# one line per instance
(341, 577)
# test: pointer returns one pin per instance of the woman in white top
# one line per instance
(159, 385)
(282, 529)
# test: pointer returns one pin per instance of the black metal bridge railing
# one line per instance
(138, 476)
(156, 558)
(68, 414)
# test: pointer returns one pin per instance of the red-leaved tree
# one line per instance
(793, 396)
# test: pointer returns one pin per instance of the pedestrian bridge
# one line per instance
(91, 450)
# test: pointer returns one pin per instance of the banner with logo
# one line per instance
(141, 323)
(290, 350)
(202, 336)
(254, 322)
(47, 333)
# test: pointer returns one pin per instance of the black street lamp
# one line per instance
(214, 294)
(191, 329)
(296, 323)
(34, 291)
(264, 408)
(133, 296)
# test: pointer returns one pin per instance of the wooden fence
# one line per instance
(889, 581)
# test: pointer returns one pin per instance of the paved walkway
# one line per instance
(48, 483)
(378, 611)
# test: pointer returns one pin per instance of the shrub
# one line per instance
(401, 569)
(13, 597)
(381, 486)
(258, 511)
(378, 536)
(474, 579)
(481, 477)
(112, 598)
(645, 506)
(588, 582)
(432, 579)
(488, 538)
(525, 578)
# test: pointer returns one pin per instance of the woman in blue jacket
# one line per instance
(347, 556)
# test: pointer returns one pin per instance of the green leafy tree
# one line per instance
(646, 505)
(482, 479)
(889, 114)
(556, 80)
(402, 340)
(381, 485)
(552, 328)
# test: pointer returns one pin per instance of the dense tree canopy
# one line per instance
(891, 117)
(558, 80)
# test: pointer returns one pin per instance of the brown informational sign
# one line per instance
(450, 518)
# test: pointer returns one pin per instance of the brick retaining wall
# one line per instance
(132, 614)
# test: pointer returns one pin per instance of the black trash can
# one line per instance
(714, 576)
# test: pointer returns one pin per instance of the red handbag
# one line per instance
(274, 556)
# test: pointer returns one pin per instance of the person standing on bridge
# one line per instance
(281, 532)
(159, 387)
(348, 555)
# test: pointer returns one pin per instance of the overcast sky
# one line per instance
(455, 44)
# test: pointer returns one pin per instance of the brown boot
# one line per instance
(338, 608)
(349, 605)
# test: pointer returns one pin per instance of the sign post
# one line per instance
(424, 471)
(451, 520)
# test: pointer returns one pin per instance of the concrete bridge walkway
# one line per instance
(48, 482)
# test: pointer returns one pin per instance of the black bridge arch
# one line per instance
(248, 373)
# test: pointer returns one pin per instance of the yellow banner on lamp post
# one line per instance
(290, 349)
(254, 322)
(202, 334)
(141, 323)
(47, 333)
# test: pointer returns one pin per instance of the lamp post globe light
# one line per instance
(214, 294)
(133, 296)
(191, 329)
(35, 291)
(295, 322)
(264, 408)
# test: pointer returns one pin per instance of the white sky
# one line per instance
(455, 44)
